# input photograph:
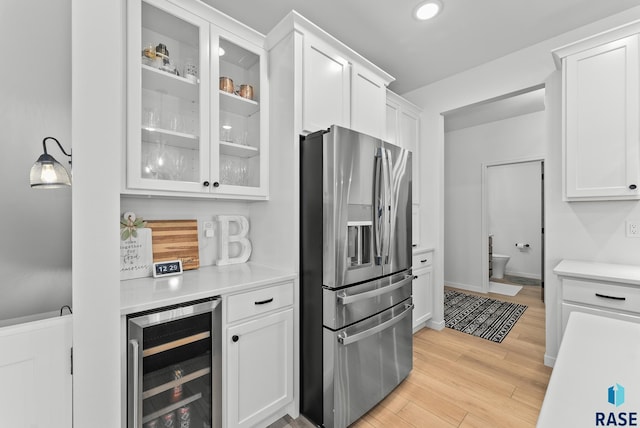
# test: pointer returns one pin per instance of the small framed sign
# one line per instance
(167, 268)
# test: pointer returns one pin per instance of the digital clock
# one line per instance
(170, 267)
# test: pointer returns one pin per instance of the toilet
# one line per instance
(499, 262)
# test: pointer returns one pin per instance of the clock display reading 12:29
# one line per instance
(171, 267)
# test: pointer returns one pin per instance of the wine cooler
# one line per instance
(174, 366)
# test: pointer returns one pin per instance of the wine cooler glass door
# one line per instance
(174, 367)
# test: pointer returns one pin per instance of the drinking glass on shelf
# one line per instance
(241, 138)
(174, 122)
(151, 118)
(225, 172)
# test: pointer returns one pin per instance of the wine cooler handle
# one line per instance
(136, 371)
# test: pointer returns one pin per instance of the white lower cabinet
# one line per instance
(422, 288)
(259, 355)
(35, 368)
(610, 300)
(608, 290)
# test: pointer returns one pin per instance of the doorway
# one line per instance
(509, 129)
(513, 224)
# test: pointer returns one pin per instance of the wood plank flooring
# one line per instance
(459, 380)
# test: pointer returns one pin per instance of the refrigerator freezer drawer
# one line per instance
(347, 306)
(365, 362)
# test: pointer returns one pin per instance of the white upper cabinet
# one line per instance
(325, 97)
(368, 102)
(601, 117)
(329, 83)
(189, 131)
(392, 121)
(403, 129)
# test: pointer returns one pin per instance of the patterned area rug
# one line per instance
(480, 316)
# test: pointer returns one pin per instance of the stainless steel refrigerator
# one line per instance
(355, 253)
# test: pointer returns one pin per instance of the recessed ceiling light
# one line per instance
(427, 10)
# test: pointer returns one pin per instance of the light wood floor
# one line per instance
(459, 380)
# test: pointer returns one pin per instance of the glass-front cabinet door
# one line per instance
(168, 126)
(195, 97)
(241, 118)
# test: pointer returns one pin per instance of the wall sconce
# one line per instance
(47, 173)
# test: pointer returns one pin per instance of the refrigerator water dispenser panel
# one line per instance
(359, 243)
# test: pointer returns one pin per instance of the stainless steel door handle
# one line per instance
(378, 205)
(345, 299)
(343, 339)
(135, 354)
(387, 205)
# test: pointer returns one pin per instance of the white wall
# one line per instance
(585, 230)
(514, 209)
(35, 225)
(466, 151)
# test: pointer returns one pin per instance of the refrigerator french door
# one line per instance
(355, 254)
(174, 366)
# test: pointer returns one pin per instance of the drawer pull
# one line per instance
(424, 260)
(604, 296)
(264, 302)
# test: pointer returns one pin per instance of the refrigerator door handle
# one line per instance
(378, 206)
(344, 299)
(388, 197)
(343, 339)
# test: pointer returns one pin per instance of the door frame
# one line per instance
(484, 229)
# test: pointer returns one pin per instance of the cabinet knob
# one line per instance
(235, 338)
(205, 184)
(415, 276)
(632, 186)
(216, 184)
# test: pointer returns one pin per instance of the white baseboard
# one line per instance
(523, 274)
(476, 288)
(435, 325)
(549, 361)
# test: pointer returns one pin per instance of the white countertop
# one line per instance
(142, 294)
(596, 353)
(626, 274)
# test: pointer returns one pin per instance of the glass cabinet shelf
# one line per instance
(235, 104)
(167, 83)
(172, 138)
(238, 150)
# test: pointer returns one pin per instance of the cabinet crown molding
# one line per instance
(293, 21)
(611, 35)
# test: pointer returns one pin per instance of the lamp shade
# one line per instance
(47, 173)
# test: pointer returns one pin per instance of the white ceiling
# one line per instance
(466, 34)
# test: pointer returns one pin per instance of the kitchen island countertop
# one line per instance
(142, 294)
(596, 374)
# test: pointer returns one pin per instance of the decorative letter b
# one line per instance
(225, 239)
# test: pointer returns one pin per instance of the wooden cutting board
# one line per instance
(175, 240)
